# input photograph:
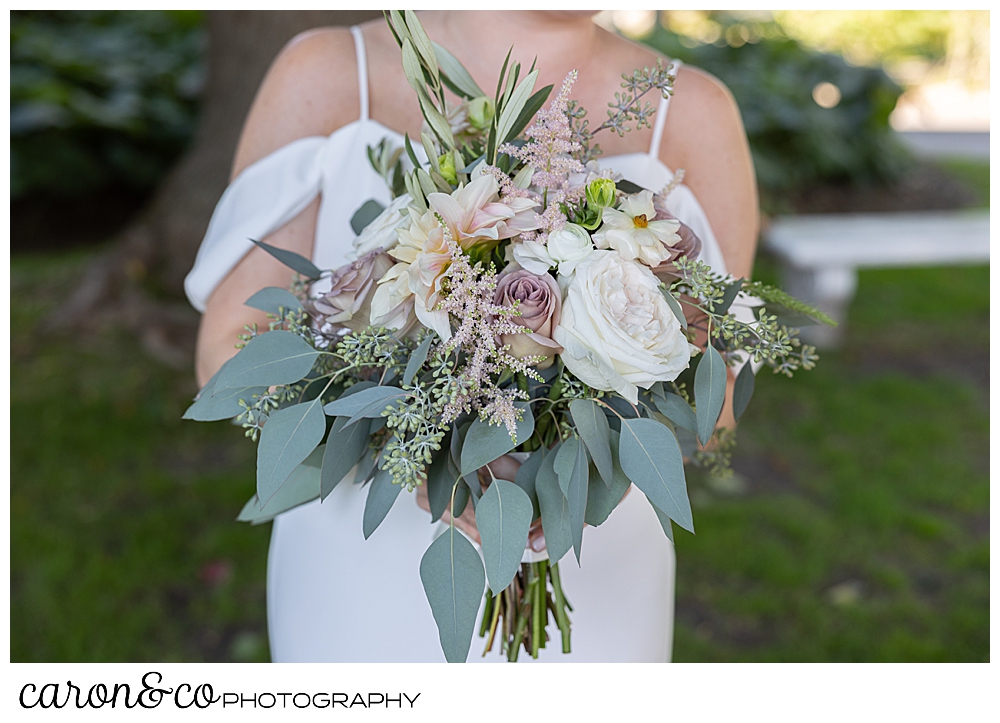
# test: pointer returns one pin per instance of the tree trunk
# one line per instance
(157, 250)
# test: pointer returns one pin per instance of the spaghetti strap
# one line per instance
(661, 115)
(359, 47)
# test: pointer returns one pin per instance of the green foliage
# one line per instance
(503, 516)
(794, 141)
(651, 458)
(100, 97)
(382, 494)
(486, 442)
(709, 391)
(454, 580)
(554, 508)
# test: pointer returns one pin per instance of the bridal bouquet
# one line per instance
(513, 297)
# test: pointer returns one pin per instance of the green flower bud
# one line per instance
(446, 161)
(480, 112)
(601, 193)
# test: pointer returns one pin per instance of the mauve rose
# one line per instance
(348, 302)
(689, 245)
(541, 310)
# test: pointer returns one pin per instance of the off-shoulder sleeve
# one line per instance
(263, 198)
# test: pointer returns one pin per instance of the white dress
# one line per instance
(333, 596)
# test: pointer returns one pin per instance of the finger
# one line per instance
(536, 540)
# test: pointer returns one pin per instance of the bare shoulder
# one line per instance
(310, 89)
(703, 117)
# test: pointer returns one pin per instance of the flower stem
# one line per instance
(560, 608)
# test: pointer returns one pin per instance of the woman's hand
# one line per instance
(503, 468)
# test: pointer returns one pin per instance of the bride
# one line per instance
(300, 172)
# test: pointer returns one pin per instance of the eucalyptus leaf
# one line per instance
(366, 466)
(675, 307)
(381, 495)
(367, 213)
(628, 187)
(503, 517)
(457, 440)
(554, 509)
(344, 449)
(272, 299)
(728, 296)
(302, 486)
(456, 73)
(454, 581)
(709, 391)
(743, 390)
(273, 358)
(439, 483)
(484, 443)
(212, 405)
(650, 456)
(592, 424)
(664, 521)
(576, 496)
(564, 462)
(367, 403)
(526, 475)
(602, 499)
(462, 496)
(513, 107)
(288, 437)
(677, 411)
(294, 261)
(688, 442)
(417, 359)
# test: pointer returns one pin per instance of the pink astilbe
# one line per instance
(471, 290)
(549, 151)
(551, 143)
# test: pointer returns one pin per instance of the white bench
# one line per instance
(820, 254)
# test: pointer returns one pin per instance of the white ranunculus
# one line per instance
(564, 250)
(381, 232)
(532, 256)
(617, 331)
(569, 247)
(632, 231)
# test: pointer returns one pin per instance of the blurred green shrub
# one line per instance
(796, 142)
(100, 98)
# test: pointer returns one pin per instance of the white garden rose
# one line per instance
(617, 331)
(381, 232)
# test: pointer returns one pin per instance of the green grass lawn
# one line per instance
(856, 528)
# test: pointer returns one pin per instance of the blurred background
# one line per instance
(856, 524)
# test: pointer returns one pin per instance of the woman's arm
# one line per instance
(705, 123)
(311, 89)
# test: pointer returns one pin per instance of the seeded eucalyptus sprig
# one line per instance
(625, 109)
(763, 339)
